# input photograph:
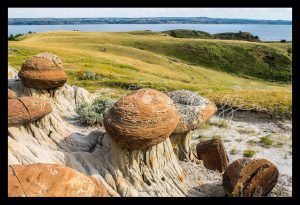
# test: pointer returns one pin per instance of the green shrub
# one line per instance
(266, 141)
(88, 75)
(94, 113)
(216, 137)
(233, 151)
(249, 153)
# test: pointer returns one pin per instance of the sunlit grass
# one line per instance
(123, 65)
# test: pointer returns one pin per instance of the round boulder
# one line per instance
(26, 109)
(250, 177)
(194, 110)
(141, 119)
(43, 71)
(51, 180)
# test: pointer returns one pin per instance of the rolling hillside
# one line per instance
(214, 68)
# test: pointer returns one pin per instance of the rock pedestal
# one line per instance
(194, 110)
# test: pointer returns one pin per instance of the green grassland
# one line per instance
(216, 69)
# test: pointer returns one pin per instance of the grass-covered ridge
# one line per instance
(120, 60)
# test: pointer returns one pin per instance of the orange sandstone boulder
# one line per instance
(141, 119)
(213, 154)
(250, 177)
(26, 109)
(51, 180)
(43, 71)
(11, 94)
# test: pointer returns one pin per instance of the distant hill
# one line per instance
(185, 33)
(156, 20)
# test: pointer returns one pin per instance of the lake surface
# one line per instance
(264, 31)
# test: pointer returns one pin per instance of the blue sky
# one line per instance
(247, 13)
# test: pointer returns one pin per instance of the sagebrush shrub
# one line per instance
(94, 113)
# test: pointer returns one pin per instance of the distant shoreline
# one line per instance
(156, 20)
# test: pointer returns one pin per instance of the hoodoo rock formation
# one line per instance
(59, 138)
(250, 177)
(194, 110)
(51, 180)
(213, 154)
(26, 109)
(43, 71)
(142, 119)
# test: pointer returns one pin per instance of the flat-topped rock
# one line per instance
(141, 119)
(250, 177)
(51, 180)
(43, 71)
(26, 109)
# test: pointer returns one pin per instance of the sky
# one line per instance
(245, 13)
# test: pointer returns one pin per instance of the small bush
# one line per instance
(266, 141)
(223, 123)
(249, 153)
(251, 142)
(94, 113)
(279, 145)
(88, 75)
(246, 131)
(216, 137)
(204, 126)
(233, 151)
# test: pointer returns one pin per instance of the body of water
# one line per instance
(266, 32)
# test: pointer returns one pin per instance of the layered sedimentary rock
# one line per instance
(43, 71)
(11, 94)
(250, 177)
(59, 138)
(142, 119)
(194, 110)
(26, 109)
(51, 180)
(213, 154)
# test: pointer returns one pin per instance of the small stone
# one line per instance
(250, 177)
(213, 154)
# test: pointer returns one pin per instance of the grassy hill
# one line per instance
(208, 66)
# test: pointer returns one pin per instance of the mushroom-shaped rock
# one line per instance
(11, 94)
(250, 177)
(213, 154)
(26, 109)
(51, 180)
(194, 110)
(141, 119)
(43, 71)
